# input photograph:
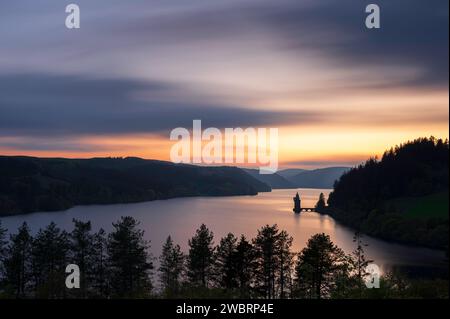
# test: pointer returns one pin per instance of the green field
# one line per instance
(430, 206)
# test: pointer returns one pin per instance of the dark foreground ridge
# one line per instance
(29, 184)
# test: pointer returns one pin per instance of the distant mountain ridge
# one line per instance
(300, 178)
(30, 184)
(290, 172)
(275, 181)
(318, 178)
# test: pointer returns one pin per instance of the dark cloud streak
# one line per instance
(52, 105)
(413, 33)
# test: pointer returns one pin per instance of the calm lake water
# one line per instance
(180, 218)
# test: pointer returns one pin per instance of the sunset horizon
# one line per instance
(339, 93)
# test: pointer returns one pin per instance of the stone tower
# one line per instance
(297, 204)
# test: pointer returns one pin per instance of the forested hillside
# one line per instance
(402, 197)
(29, 184)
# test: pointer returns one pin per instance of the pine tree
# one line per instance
(318, 266)
(99, 261)
(49, 260)
(171, 267)
(265, 245)
(3, 243)
(359, 261)
(321, 203)
(245, 263)
(129, 261)
(82, 253)
(201, 257)
(225, 263)
(285, 262)
(18, 262)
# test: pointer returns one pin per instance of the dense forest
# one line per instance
(29, 184)
(402, 197)
(120, 265)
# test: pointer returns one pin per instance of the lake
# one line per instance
(180, 218)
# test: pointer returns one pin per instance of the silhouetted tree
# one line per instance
(36, 268)
(82, 253)
(3, 243)
(129, 260)
(49, 260)
(200, 258)
(285, 262)
(245, 264)
(321, 204)
(225, 263)
(100, 267)
(171, 267)
(18, 262)
(265, 245)
(318, 266)
(359, 261)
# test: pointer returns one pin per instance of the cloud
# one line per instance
(55, 105)
(120, 37)
(150, 66)
(41, 144)
(412, 34)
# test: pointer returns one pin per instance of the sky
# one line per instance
(337, 91)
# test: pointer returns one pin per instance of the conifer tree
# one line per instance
(265, 245)
(82, 253)
(245, 263)
(318, 266)
(49, 260)
(225, 263)
(359, 261)
(285, 262)
(129, 261)
(321, 203)
(201, 257)
(171, 267)
(18, 262)
(3, 243)
(100, 267)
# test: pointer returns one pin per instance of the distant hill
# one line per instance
(29, 184)
(317, 178)
(275, 181)
(300, 178)
(290, 172)
(402, 197)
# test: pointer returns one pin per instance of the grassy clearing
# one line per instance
(430, 206)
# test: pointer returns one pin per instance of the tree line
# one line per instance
(119, 265)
